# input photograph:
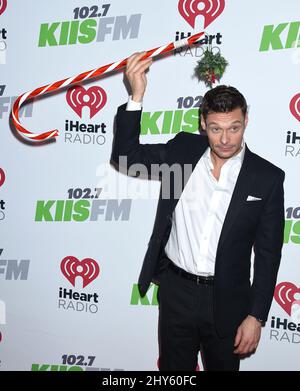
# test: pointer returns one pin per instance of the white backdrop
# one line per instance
(50, 233)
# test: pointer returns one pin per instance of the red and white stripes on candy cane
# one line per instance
(85, 76)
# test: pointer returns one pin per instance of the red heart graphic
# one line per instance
(295, 106)
(3, 4)
(95, 98)
(285, 295)
(2, 177)
(210, 10)
(71, 268)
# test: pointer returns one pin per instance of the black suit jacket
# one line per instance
(247, 225)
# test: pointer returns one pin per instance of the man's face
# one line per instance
(225, 132)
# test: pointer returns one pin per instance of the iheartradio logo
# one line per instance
(95, 98)
(287, 295)
(3, 4)
(2, 177)
(295, 106)
(88, 269)
(209, 9)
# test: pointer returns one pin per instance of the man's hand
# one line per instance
(247, 336)
(135, 72)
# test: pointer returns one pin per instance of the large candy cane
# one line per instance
(84, 76)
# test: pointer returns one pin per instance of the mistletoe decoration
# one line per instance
(211, 67)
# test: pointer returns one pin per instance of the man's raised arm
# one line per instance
(127, 149)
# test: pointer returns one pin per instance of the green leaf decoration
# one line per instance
(210, 67)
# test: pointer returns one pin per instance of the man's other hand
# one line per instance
(247, 336)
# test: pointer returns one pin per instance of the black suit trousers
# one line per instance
(186, 327)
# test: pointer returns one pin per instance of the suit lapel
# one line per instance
(194, 155)
(243, 186)
(192, 159)
(199, 151)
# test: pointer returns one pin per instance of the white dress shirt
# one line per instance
(199, 215)
(200, 212)
(132, 105)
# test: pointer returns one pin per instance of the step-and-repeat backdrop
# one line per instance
(74, 230)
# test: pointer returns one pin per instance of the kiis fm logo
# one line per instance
(272, 36)
(190, 10)
(3, 5)
(209, 9)
(83, 205)
(88, 270)
(292, 226)
(72, 362)
(90, 24)
(94, 99)
(287, 295)
(292, 139)
(12, 269)
(184, 117)
(7, 102)
(149, 299)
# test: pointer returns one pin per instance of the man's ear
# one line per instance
(246, 119)
(203, 124)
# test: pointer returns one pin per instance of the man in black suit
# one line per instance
(199, 253)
